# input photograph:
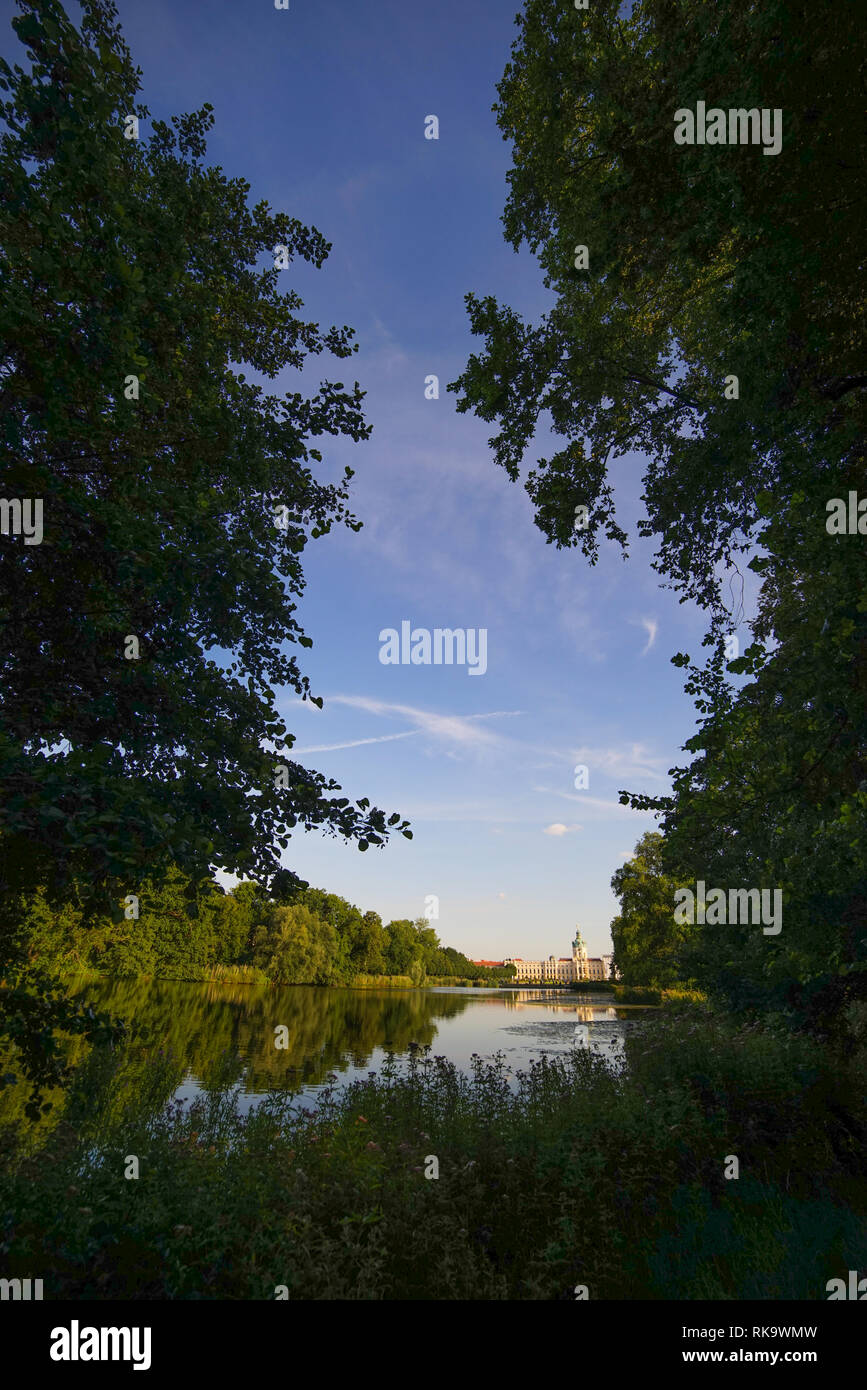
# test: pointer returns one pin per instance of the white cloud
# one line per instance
(634, 760)
(558, 828)
(651, 627)
(286, 702)
(353, 743)
(491, 812)
(453, 728)
(584, 800)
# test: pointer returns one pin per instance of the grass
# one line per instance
(251, 974)
(570, 1172)
(630, 994)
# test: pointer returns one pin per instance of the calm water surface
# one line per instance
(219, 1033)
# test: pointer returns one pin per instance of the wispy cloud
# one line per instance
(453, 728)
(354, 743)
(493, 812)
(632, 760)
(651, 627)
(558, 828)
(584, 800)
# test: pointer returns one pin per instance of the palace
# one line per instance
(566, 969)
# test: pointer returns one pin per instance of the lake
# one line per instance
(224, 1033)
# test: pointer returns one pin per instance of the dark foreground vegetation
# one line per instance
(580, 1175)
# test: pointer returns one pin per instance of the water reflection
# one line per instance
(213, 1035)
(286, 1039)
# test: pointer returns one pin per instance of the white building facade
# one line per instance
(562, 969)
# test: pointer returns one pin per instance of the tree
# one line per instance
(427, 942)
(776, 794)
(706, 265)
(703, 263)
(143, 638)
(296, 947)
(237, 915)
(367, 948)
(647, 940)
(401, 946)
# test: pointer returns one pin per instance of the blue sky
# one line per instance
(322, 109)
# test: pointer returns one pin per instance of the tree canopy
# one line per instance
(647, 941)
(703, 262)
(674, 269)
(146, 637)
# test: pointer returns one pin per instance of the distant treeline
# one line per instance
(314, 938)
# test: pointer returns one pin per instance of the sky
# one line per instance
(322, 108)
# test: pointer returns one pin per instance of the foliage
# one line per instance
(315, 938)
(647, 940)
(572, 1172)
(776, 794)
(362, 933)
(705, 263)
(131, 258)
(295, 946)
